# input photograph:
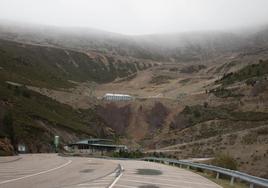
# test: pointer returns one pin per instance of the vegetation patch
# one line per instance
(224, 161)
(224, 93)
(250, 74)
(24, 108)
(52, 67)
(192, 69)
(128, 154)
(250, 138)
(161, 79)
(192, 115)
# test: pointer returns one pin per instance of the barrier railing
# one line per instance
(252, 180)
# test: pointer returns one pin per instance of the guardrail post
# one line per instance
(251, 185)
(232, 181)
(188, 167)
(180, 166)
(218, 175)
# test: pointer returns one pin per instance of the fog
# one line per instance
(137, 17)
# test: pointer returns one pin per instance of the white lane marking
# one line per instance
(36, 174)
(116, 179)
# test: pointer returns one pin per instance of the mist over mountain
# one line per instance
(172, 47)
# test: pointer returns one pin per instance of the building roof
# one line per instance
(86, 141)
(116, 94)
(108, 145)
(95, 142)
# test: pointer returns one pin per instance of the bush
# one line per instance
(224, 161)
(128, 154)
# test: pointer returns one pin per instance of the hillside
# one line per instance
(226, 119)
(36, 117)
(197, 94)
(29, 118)
(57, 68)
(230, 119)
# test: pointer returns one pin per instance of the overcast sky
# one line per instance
(139, 16)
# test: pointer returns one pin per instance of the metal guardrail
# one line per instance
(252, 180)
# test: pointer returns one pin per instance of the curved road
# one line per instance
(50, 170)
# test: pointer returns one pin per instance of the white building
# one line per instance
(117, 97)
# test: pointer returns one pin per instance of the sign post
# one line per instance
(56, 143)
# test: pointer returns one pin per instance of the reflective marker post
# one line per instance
(56, 143)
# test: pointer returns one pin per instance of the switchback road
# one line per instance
(52, 171)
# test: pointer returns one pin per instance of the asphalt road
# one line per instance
(50, 170)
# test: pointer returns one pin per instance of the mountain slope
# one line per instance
(55, 67)
(29, 118)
